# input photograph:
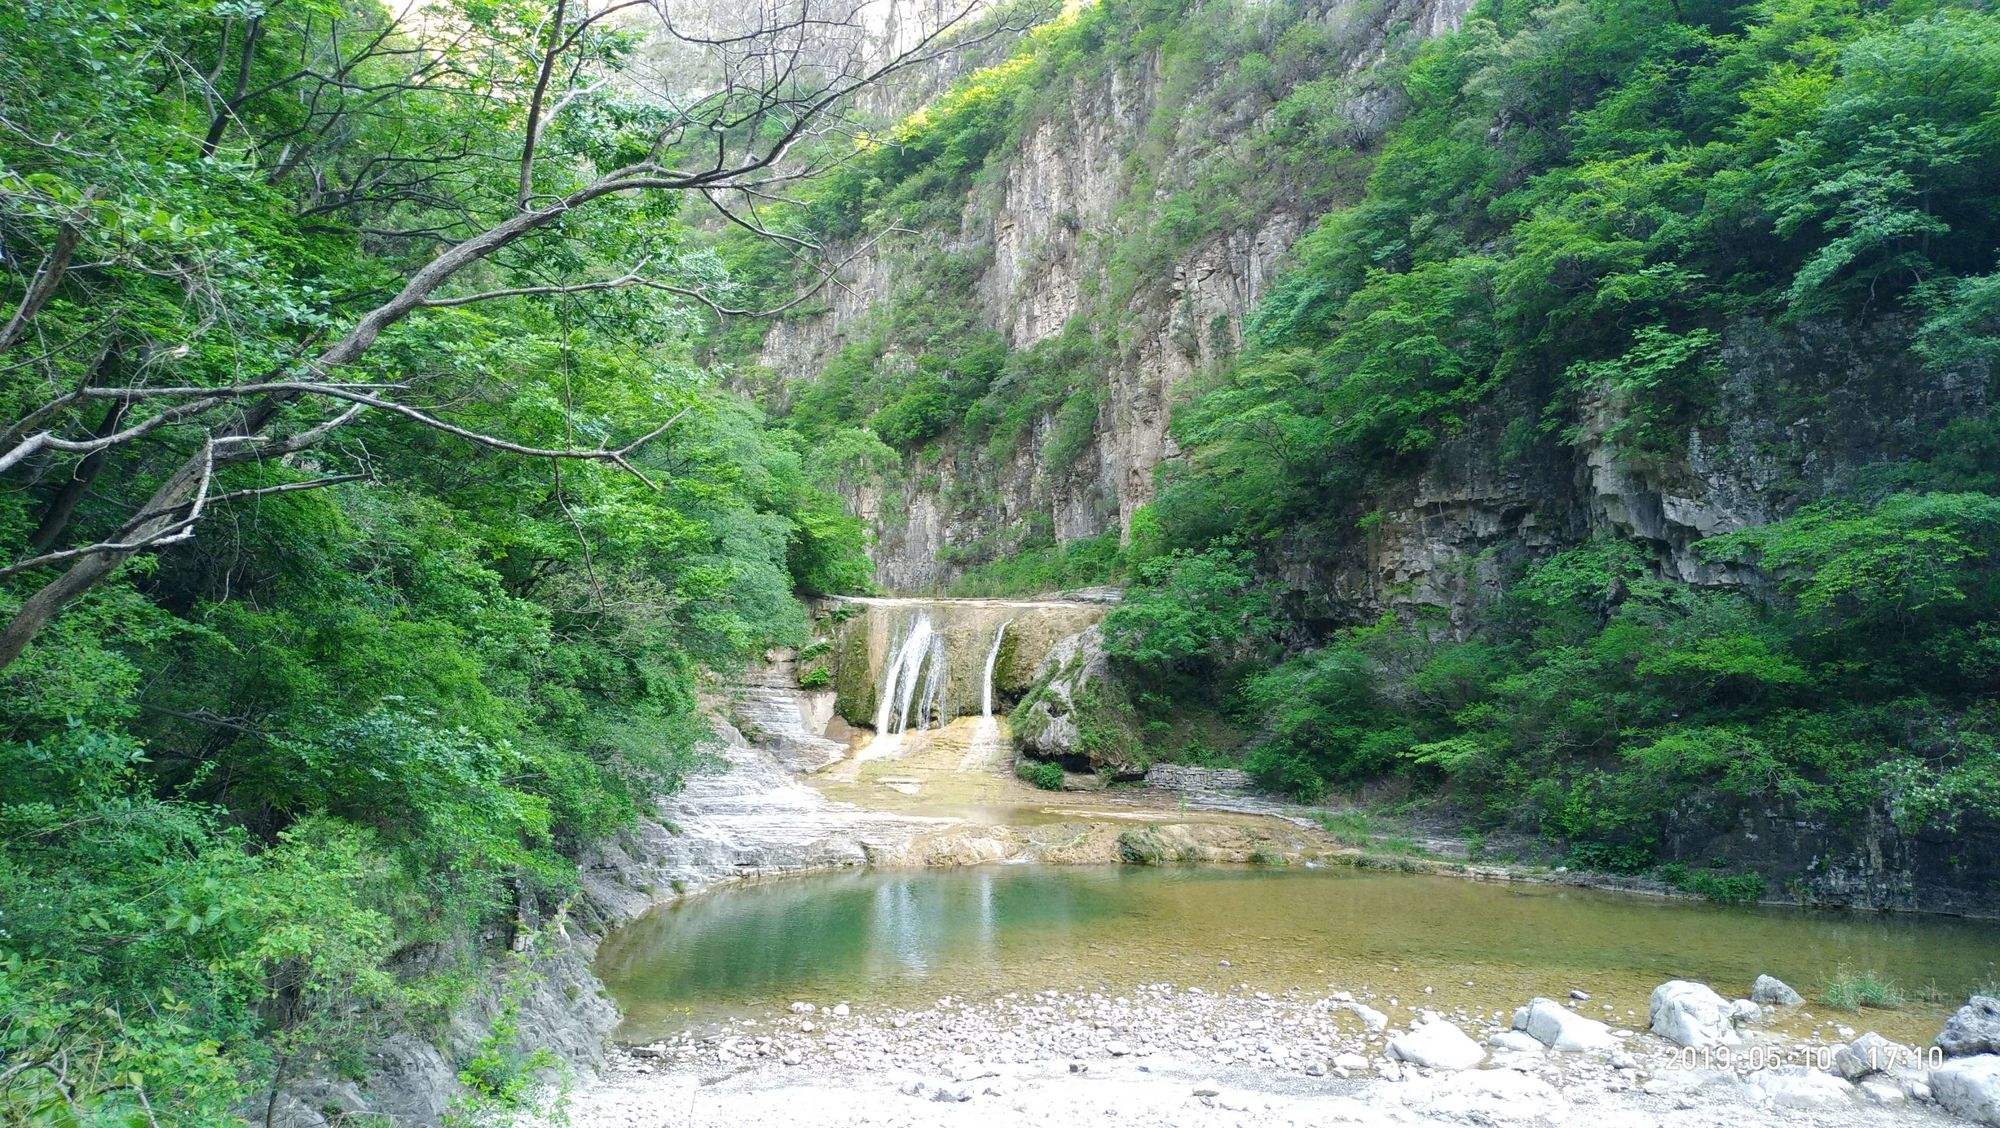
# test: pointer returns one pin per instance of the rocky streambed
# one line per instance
(1160, 1054)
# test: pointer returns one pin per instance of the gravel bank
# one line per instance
(1162, 1055)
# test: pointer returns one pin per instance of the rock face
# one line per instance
(864, 636)
(1559, 1028)
(1771, 991)
(1436, 1045)
(1043, 233)
(746, 817)
(1970, 1088)
(1974, 1029)
(1692, 1014)
(1049, 722)
(769, 707)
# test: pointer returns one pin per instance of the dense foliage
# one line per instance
(1586, 200)
(1586, 204)
(301, 777)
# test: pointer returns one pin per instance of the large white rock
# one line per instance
(1870, 1053)
(1437, 1045)
(1692, 1014)
(1560, 1028)
(1969, 1087)
(1796, 1086)
(1974, 1030)
(1774, 992)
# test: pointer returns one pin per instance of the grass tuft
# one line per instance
(1851, 990)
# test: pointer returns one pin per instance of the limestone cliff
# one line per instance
(1803, 410)
(1049, 228)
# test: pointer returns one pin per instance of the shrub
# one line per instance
(1042, 773)
(1349, 828)
(1190, 610)
(1727, 889)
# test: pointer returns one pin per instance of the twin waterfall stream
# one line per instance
(912, 665)
(919, 658)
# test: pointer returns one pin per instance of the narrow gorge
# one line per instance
(627, 563)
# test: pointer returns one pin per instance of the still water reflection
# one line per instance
(908, 937)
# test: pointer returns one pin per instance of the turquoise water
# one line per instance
(908, 937)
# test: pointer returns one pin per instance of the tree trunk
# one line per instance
(88, 571)
(55, 518)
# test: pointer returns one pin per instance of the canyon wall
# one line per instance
(1048, 228)
(1044, 226)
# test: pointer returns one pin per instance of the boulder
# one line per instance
(1048, 724)
(1514, 1042)
(1771, 991)
(1975, 1029)
(1969, 1087)
(1796, 1086)
(1691, 1014)
(1559, 1028)
(1436, 1045)
(1372, 1020)
(1871, 1053)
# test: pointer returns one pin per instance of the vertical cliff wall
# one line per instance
(1080, 230)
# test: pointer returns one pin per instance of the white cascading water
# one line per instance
(934, 672)
(899, 681)
(992, 657)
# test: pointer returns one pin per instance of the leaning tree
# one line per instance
(469, 147)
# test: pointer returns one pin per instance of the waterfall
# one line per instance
(992, 657)
(921, 647)
(934, 673)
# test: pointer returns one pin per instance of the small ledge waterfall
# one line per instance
(986, 688)
(911, 664)
(920, 651)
